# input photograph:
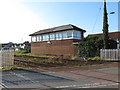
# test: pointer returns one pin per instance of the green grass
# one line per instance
(94, 58)
(39, 60)
(29, 54)
(7, 68)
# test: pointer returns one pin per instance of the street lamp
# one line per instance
(112, 12)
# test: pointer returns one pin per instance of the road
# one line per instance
(45, 79)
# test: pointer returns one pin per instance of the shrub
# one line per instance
(91, 45)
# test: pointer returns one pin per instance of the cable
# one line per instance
(97, 18)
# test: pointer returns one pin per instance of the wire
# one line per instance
(97, 18)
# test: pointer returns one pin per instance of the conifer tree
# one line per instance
(105, 27)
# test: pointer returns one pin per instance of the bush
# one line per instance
(91, 46)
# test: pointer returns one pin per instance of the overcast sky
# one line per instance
(19, 18)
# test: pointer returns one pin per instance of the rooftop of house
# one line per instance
(102, 33)
(112, 35)
(56, 29)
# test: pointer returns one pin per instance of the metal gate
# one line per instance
(6, 57)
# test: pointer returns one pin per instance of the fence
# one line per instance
(110, 54)
(6, 57)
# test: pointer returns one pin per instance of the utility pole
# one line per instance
(105, 27)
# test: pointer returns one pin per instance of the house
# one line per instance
(59, 40)
(16, 46)
(112, 35)
(7, 45)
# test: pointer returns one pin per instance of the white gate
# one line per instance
(6, 57)
(110, 54)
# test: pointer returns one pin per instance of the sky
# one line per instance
(19, 18)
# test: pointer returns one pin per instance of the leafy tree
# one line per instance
(27, 47)
(91, 46)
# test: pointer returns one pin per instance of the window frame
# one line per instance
(58, 35)
(53, 36)
(45, 37)
(34, 39)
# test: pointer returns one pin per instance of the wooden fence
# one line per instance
(110, 54)
(6, 57)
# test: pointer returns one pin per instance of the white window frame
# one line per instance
(77, 34)
(59, 37)
(46, 37)
(70, 31)
(33, 39)
(53, 37)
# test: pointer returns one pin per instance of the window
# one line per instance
(64, 35)
(34, 39)
(40, 38)
(76, 35)
(52, 36)
(45, 37)
(69, 34)
(59, 36)
(37, 38)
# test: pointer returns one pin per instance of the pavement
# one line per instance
(74, 79)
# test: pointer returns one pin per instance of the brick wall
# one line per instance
(56, 47)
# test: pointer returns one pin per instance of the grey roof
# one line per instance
(56, 29)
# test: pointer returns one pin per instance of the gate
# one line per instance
(6, 57)
(110, 54)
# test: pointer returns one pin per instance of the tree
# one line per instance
(27, 47)
(105, 27)
(91, 45)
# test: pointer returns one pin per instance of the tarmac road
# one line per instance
(34, 79)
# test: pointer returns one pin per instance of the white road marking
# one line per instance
(26, 78)
(92, 85)
(2, 85)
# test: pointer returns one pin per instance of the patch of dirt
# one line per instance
(69, 68)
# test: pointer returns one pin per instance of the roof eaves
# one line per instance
(56, 29)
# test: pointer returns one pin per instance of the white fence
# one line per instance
(110, 54)
(6, 57)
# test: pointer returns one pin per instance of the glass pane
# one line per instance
(64, 35)
(52, 36)
(45, 37)
(76, 35)
(38, 38)
(69, 34)
(33, 38)
(58, 36)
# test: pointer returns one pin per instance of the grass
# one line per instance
(45, 56)
(7, 68)
(29, 54)
(94, 58)
(38, 60)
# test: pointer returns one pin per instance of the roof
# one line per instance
(112, 35)
(56, 29)
(102, 33)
